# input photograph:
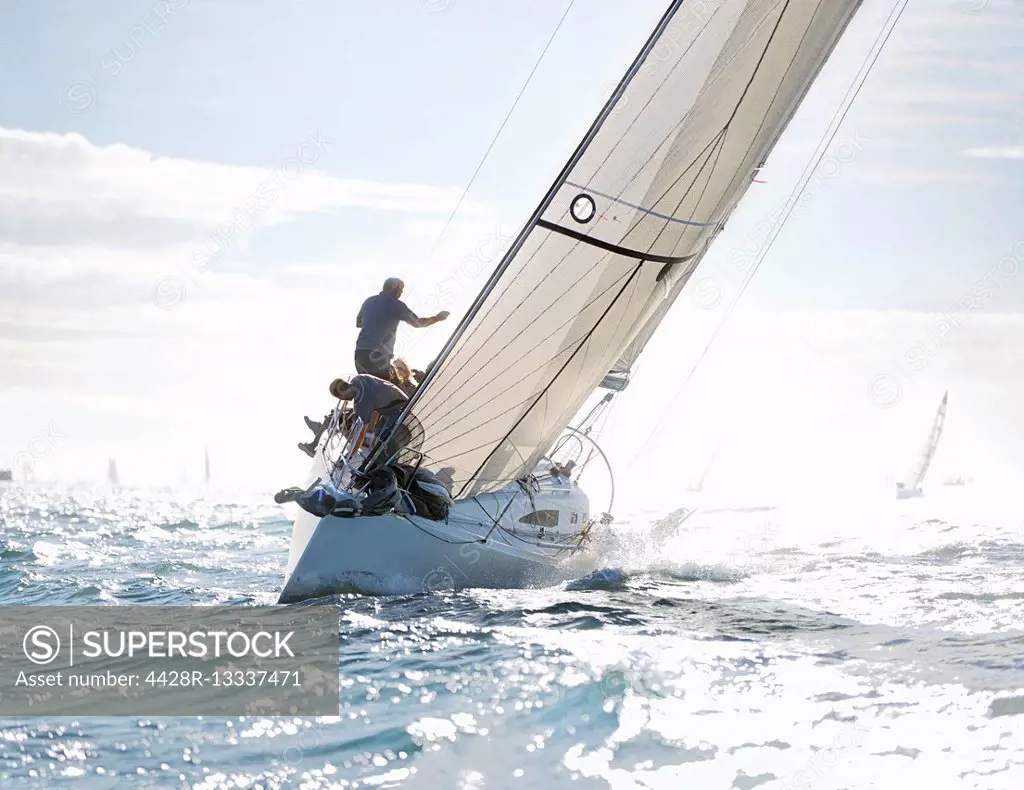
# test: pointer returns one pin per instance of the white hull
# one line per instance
(908, 493)
(395, 553)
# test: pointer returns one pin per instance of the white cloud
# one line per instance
(962, 66)
(997, 152)
(897, 176)
(120, 196)
(88, 231)
(902, 93)
(959, 16)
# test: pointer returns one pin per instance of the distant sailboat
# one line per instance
(911, 486)
(112, 473)
(206, 472)
(6, 476)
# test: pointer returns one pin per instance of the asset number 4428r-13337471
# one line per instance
(224, 678)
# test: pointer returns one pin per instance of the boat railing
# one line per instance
(342, 466)
(409, 456)
(562, 460)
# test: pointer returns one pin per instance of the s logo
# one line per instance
(41, 644)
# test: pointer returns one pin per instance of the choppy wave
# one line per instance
(763, 647)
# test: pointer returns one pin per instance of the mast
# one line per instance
(619, 232)
(546, 201)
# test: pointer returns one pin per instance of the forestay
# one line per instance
(621, 230)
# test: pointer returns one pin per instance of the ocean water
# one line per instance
(849, 642)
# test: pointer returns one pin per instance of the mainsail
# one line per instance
(618, 377)
(112, 472)
(620, 231)
(917, 475)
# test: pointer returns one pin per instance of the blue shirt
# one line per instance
(373, 394)
(378, 318)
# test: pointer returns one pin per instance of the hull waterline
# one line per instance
(489, 542)
(394, 555)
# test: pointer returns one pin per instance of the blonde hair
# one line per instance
(402, 370)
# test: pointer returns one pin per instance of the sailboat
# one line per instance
(206, 467)
(112, 472)
(6, 476)
(911, 485)
(476, 483)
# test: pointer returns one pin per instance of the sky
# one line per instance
(138, 321)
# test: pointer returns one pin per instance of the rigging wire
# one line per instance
(712, 150)
(497, 134)
(827, 137)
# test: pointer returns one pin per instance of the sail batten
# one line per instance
(620, 232)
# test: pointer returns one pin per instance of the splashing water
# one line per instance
(842, 644)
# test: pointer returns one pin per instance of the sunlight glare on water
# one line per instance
(854, 643)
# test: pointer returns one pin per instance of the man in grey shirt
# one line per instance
(375, 402)
(373, 399)
(378, 321)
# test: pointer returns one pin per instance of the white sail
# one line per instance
(917, 475)
(206, 469)
(621, 230)
(112, 472)
(618, 377)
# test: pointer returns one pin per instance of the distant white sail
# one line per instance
(621, 230)
(916, 477)
(112, 472)
(206, 472)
